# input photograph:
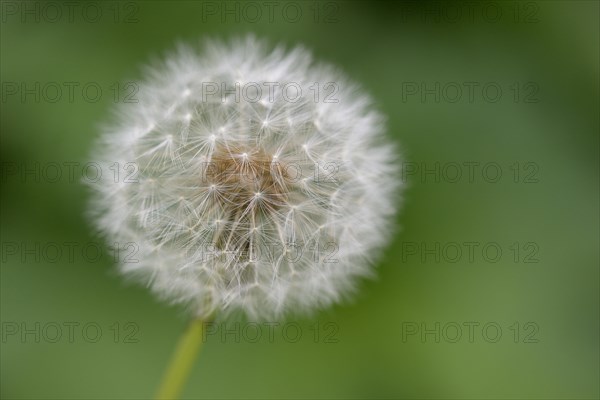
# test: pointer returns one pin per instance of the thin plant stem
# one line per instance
(182, 361)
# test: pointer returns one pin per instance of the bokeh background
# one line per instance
(528, 317)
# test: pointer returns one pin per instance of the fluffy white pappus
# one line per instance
(248, 179)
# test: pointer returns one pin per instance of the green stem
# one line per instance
(182, 361)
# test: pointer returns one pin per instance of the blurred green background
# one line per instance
(540, 133)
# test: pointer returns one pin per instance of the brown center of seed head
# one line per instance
(251, 185)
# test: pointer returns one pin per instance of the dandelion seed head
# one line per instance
(268, 207)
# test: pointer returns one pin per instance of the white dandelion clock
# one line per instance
(250, 180)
